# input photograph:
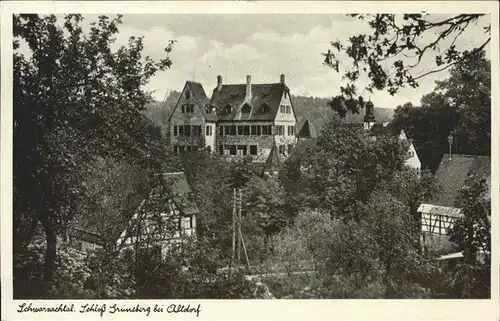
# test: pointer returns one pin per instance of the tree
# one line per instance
(472, 234)
(411, 190)
(74, 98)
(459, 105)
(113, 192)
(378, 54)
(263, 199)
(391, 227)
(347, 164)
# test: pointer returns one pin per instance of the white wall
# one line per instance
(285, 120)
(413, 161)
(210, 140)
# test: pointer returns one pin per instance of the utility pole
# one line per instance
(240, 237)
(450, 141)
(234, 227)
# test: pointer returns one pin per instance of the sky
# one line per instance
(264, 46)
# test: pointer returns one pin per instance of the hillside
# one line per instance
(318, 111)
(312, 108)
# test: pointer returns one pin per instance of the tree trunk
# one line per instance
(50, 253)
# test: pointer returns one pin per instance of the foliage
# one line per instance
(263, 199)
(472, 234)
(114, 191)
(74, 98)
(69, 279)
(189, 270)
(390, 224)
(412, 189)
(346, 165)
(460, 105)
(159, 112)
(379, 53)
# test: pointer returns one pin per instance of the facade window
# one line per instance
(221, 130)
(280, 130)
(242, 149)
(221, 149)
(291, 130)
(246, 130)
(196, 130)
(282, 109)
(186, 223)
(290, 149)
(240, 130)
(175, 130)
(281, 149)
(232, 149)
(187, 108)
(208, 131)
(264, 131)
(253, 130)
(227, 130)
(288, 110)
(258, 131)
(253, 149)
(187, 130)
(233, 130)
(181, 130)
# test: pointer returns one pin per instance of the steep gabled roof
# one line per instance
(177, 189)
(303, 147)
(456, 172)
(180, 192)
(307, 130)
(198, 98)
(234, 95)
(379, 129)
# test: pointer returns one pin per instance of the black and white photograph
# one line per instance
(194, 156)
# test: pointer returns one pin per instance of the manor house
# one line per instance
(238, 120)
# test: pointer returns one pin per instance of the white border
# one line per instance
(253, 309)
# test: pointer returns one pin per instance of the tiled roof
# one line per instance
(307, 130)
(380, 129)
(198, 98)
(456, 172)
(180, 192)
(303, 147)
(262, 94)
(273, 160)
(90, 230)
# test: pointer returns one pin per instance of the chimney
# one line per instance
(249, 87)
(282, 79)
(219, 82)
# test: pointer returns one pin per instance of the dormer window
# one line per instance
(246, 109)
(228, 109)
(264, 108)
